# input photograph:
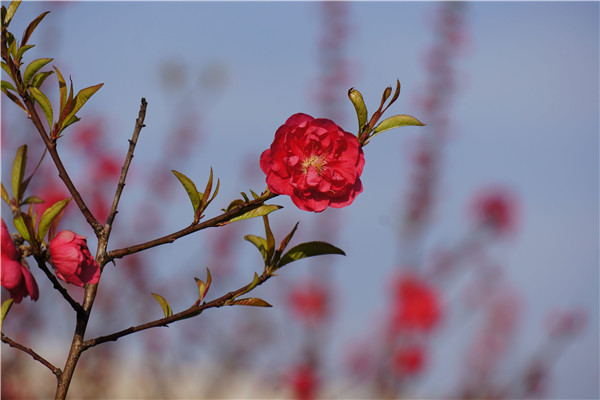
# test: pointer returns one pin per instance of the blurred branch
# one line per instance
(36, 356)
(189, 313)
(139, 124)
(216, 221)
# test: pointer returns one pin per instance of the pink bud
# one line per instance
(72, 259)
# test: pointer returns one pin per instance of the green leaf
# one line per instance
(31, 27)
(257, 212)
(18, 171)
(39, 78)
(250, 301)
(33, 68)
(308, 249)
(21, 227)
(190, 188)
(6, 69)
(10, 12)
(396, 121)
(203, 287)
(261, 245)
(32, 199)
(8, 85)
(5, 196)
(164, 305)
(15, 100)
(70, 122)
(44, 103)
(360, 107)
(49, 216)
(5, 309)
(254, 283)
(22, 50)
(233, 204)
(270, 239)
(80, 99)
(208, 187)
(62, 86)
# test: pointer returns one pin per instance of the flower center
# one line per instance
(318, 162)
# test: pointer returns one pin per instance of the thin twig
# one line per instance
(139, 124)
(190, 312)
(218, 220)
(36, 356)
(76, 306)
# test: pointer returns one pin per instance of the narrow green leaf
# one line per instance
(396, 94)
(215, 193)
(261, 245)
(31, 27)
(15, 99)
(254, 283)
(21, 227)
(360, 107)
(8, 85)
(5, 309)
(10, 12)
(245, 196)
(33, 68)
(62, 87)
(5, 196)
(208, 188)
(18, 171)
(44, 103)
(257, 212)
(164, 305)
(233, 204)
(68, 105)
(73, 119)
(80, 99)
(203, 287)
(190, 188)
(284, 244)
(32, 200)
(386, 93)
(270, 239)
(250, 301)
(39, 78)
(22, 50)
(308, 249)
(6, 69)
(395, 122)
(49, 216)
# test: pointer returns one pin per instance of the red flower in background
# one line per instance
(310, 302)
(408, 360)
(495, 208)
(315, 162)
(304, 382)
(416, 305)
(72, 259)
(15, 276)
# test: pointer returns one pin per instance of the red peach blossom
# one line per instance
(315, 162)
(15, 276)
(72, 259)
(417, 305)
(309, 302)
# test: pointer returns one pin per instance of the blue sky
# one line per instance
(526, 115)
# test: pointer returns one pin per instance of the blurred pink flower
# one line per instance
(304, 382)
(408, 360)
(15, 276)
(496, 208)
(416, 306)
(310, 302)
(72, 259)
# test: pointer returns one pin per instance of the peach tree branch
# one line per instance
(32, 353)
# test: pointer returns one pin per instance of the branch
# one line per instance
(36, 356)
(76, 306)
(190, 312)
(139, 124)
(218, 220)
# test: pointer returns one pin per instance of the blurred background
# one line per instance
(472, 254)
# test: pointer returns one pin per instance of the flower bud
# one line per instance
(72, 259)
(15, 276)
